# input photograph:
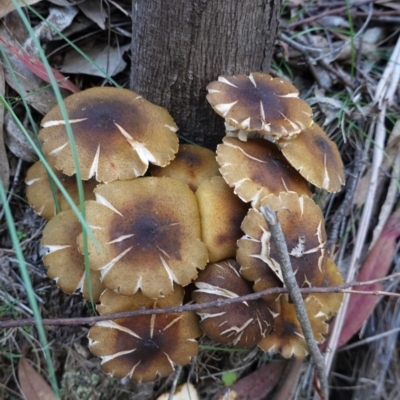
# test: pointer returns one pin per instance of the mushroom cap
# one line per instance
(316, 157)
(111, 302)
(259, 102)
(330, 302)
(117, 133)
(145, 347)
(149, 233)
(192, 165)
(65, 263)
(287, 337)
(303, 226)
(221, 215)
(241, 324)
(39, 193)
(257, 168)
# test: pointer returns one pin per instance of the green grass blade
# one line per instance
(81, 213)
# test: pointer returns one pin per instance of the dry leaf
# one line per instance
(59, 19)
(33, 386)
(94, 10)
(183, 392)
(368, 43)
(6, 6)
(109, 59)
(257, 385)
(36, 66)
(328, 105)
(375, 266)
(31, 87)
(17, 142)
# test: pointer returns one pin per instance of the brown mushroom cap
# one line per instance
(242, 324)
(287, 337)
(302, 223)
(330, 302)
(111, 302)
(145, 347)
(316, 157)
(192, 165)
(117, 133)
(39, 192)
(149, 232)
(260, 103)
(65, 263)
(257, 168)
(221, 215)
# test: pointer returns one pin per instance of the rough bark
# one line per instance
(179, 46)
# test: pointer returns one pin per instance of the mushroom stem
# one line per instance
(295, 294)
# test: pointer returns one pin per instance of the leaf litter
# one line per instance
(335, 52)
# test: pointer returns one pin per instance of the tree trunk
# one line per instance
(179, 46)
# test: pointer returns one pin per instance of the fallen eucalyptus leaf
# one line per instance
(94, 11)
(375, 266)
(33, 386)
(37, 67)
(257, 385)
(17, 142)
(109, 59)
(29, 85)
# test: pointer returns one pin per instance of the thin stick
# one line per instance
(11, 323)
(373, 293)
(290, 281)
(177, 374)
(361, 236)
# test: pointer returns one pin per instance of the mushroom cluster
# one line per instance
(147, 229)
(164, 216)
(272, 152)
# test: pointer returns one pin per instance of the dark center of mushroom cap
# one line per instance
(271, 160)
(105, 122)
(190, 159)
(276, 167)
(99, 121)
(156, 338)
(322, 144)
(262, 93)
(148, 232)
(150, 345)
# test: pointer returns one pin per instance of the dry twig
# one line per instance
(289, 279)
(12, 323)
